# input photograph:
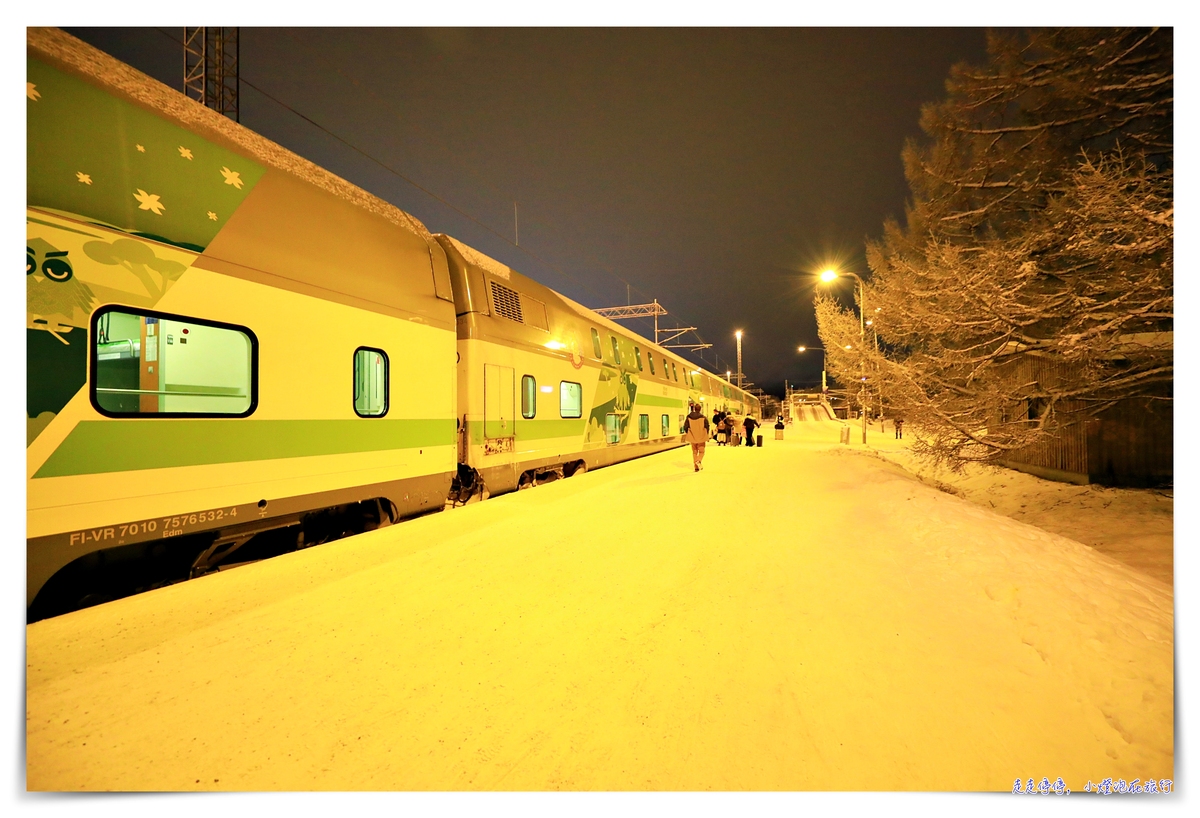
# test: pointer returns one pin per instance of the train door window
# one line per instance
(650, 358)
(528, 396)
(370, 382)
(152, 364)
(616, 350)
(666, 425)
(612, 428)
(674, 372)
(682, 429)
(637, 356)
(596, 343)
(570, 399)
(643, 427)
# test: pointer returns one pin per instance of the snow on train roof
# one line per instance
(480, 260)
(109, 72)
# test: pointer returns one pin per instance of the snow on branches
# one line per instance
(1031, 285)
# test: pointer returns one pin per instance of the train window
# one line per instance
(612, 428)
(616, 349)
(570, 399)
(596, 343)
(674, 371)
(528, 396)
(650, 358)
(370, 382)
(153, 364)
(643, 427)
(666, 425)
(637, 356)
(682, 428)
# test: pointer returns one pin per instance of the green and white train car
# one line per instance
(233, 353)
(207, 314)
(562, 388)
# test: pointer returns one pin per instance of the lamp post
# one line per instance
(829, 276)
(738, 335)
(805, 349)
(878, 381)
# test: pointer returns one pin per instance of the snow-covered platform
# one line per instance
(795, 617)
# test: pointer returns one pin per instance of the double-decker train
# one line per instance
(232, 353)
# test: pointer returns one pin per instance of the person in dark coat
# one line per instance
(697, 435)
(749, 424)
(899, 424)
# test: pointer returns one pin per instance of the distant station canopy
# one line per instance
(210, 68)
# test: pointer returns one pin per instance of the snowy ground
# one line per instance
(796, 617)
(1135, 526)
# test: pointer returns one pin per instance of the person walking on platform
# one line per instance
(697, 435)
(749, 423)
(899, 424)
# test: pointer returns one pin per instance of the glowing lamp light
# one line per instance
(738, 334)
(829, 275)
(869, 322)
(555, 345)
(801, 349)
(849, 347)
(546, 388)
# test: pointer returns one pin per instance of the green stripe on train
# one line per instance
(99, 447)
(651, 400)
(534, 429)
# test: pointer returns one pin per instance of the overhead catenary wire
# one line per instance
(400, 175)
(506, 196)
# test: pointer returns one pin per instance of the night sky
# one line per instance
(712, 168)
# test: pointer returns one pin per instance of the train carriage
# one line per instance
(213, 325)
(232, 353)
(547, 387)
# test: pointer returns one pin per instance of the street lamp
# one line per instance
(828, 277)
(805, 349)
(738, 335)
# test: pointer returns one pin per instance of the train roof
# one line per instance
(502, 271)
(64, 51)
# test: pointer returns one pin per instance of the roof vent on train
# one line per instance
(507, 302)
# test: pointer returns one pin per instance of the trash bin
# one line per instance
(758, 441)
(778, 434)
(845, 434)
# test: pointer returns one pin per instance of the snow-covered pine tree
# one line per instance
(1031, 284)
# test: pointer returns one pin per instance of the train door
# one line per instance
(498, 405)
(612, 428)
